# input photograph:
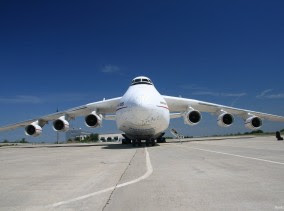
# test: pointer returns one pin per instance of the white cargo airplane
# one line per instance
(142, 113)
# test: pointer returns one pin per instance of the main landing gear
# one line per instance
(161, 140)
(151, 142)
(126, 141)
(136, 143)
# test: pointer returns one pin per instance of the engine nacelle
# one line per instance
(192, 117)
(33, 130)
(93, 120)
(253, 123)
(61, 124)
(225, 119)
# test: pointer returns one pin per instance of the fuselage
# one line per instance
(142, 113)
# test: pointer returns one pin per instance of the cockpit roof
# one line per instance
(141, 80)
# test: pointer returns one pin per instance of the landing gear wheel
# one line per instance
(153, 142)
(147, 143)
(161, 140)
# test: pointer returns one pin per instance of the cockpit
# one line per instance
(141, 80)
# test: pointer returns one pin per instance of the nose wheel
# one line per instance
(147, 143)
(136, 143)
(151, 142)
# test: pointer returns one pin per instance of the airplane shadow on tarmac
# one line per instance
(125, 146)
(118, 145)
(104, 146)
(57, 146)
(206, 139)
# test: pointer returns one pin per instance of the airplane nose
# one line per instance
(141, 111)
(141, 102)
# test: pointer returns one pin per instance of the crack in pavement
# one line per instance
(145, 176)
(129, 163)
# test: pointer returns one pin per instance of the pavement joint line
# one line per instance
(143, 177)
(235, 155)
(129, 163)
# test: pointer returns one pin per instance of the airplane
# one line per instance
(142, 113)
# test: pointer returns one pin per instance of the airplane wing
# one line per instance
(177, 104)
(102, 107)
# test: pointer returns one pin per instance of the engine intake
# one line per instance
(93, 120)
(192, 117)
(253, 123)
(225, 119)
(33, 130)
(61, 124)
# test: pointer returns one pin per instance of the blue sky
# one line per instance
(57, 54)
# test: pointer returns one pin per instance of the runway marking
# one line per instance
(145, 176)
(240, 156)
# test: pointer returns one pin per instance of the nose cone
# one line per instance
(142, 111)
(141, 101)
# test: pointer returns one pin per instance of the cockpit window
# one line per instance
(141, 81)
(137, 80)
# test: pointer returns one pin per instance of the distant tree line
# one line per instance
(22, 141)
(255, 132)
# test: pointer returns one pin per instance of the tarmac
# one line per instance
(238, 173)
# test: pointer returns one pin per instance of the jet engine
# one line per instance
(33, 130)
(93, 120)
(225, 119)
(61, 124)
(253, 123)
(192, 117)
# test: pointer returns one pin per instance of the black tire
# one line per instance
(147, 143)
(161, 140)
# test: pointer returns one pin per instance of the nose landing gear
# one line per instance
(136, 143)
(149, 142)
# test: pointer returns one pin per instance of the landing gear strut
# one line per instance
(136, 142)
(126, 141)
(161, 140)
(147, 143)
(153, 142)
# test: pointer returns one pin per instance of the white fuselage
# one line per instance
(142, 113)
